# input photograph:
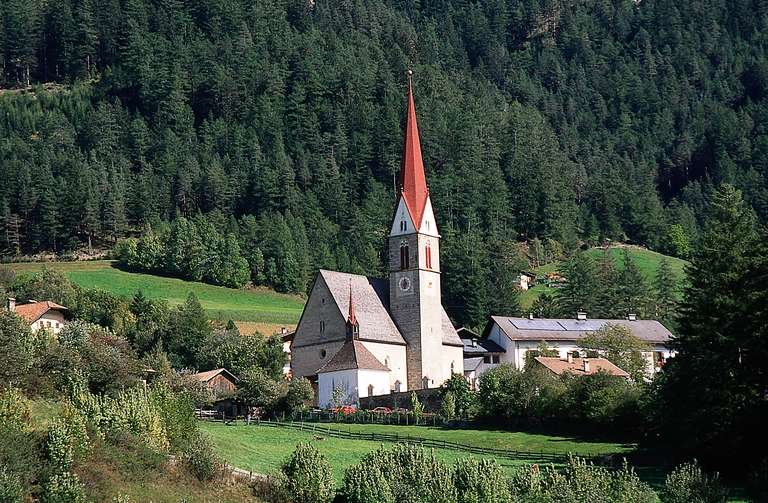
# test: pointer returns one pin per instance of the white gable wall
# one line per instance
(394, 357)
(402, 215)
(355, 384)
(53, 321)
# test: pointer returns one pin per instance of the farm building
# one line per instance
(221, 382)
(39, 315)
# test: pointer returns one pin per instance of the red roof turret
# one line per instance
(413, 182)
(351, 318)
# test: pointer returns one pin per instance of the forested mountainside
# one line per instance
(280, 123)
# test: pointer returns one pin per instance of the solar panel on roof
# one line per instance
(581, 325)
(523, 324)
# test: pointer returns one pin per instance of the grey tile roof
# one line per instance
(450, 337)
(352, 355)
(471, 364)
(483, 346)
(570, 329)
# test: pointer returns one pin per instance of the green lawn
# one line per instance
(263, 449)
(257, 305)
(647, 261)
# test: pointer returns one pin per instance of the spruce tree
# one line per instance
(665, 284)
(579, 293)
(633, 291)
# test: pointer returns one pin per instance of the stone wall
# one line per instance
(429, 398)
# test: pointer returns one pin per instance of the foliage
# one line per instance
(59, 447)
(199, 457)
(463, 398)
(480, 481)
(617, 344)
(403, 473)
(11, 490)
(297, 396)
(689, 484)
(580, 481)
(14, 409)
(416, 407)
(19, 345)
(310, 477)
(713, 410)
(258, 389)
(448, 406)
(64, 487)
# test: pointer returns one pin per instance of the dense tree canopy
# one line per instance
(281, 123)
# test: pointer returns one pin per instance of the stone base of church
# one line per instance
(429, 398)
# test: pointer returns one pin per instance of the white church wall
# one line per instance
(372, 382)
(393, 356)
(452, 355)
(346, 380)
(402, 223)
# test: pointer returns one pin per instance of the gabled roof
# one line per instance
(450, 337)
(471, 364)
(480, 346)
(576, 366)
(557, 329)
(210, 374)
(352, 355)
(32, 311)
(413, 181)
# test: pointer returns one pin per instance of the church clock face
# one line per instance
(405, 284)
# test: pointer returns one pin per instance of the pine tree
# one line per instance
(633, 291)
(666, 293)
(579, 293)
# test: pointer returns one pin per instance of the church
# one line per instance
(360, 336)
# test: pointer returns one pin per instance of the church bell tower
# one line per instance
(414, 264)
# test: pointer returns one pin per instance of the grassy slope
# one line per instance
(261, 306)
(647, 261)
(263, 449)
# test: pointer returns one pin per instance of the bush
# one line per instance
(580, 481)
(64, 488)
(14, 410)
(480, 481)
(310, 476)
(59, 447)
(404, 473)
(201, 460)
(689, 484)
(11, 490)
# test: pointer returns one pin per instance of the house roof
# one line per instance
(210, 374)
(352, 355)
(471, 364)
(576, 366)
(481, 346)
(553, 329)
(413, 181)
(32, 311)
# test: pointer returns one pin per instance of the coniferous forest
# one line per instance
(276, 128)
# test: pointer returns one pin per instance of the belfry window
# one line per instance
(403, 226)
(405, 260)
(428, 256)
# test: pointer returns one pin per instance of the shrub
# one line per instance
(201, 460)
(58, 447)
(64, 488)
(580, 481)
(14, 410)
(689, 484)
(310, 476)
(11, 490)
(404, 473)
(480, 481)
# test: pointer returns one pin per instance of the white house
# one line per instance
(39, 315)
(518, 336)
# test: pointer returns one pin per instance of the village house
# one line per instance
(364, 335)
(525, 280)
(519, 336)
(579, 366)
(39, 315)
(479, 355)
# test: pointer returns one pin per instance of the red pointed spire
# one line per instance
(413, 182)
(351, 318)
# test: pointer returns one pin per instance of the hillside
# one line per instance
(280, 125)
(261, 308)
(647, 261)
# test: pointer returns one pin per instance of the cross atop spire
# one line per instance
(413, 182)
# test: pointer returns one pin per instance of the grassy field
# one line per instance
(647, 261)
(263, 449)
(261, 309)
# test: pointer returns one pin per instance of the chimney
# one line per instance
(530, 315)
(585, 362)
(569, 357)
(581, 315)
(632, 317)
(283, 330)
(474, 342)
(11, 304)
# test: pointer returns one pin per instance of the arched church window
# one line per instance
(398, 386)
(322, 326)
(370, 390)
(425, 382)
(453, 367)
(386, 361)
(428, 256)
(405, 260)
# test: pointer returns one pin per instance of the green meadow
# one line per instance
(259, 305)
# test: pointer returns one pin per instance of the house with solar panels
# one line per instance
(519, 336)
